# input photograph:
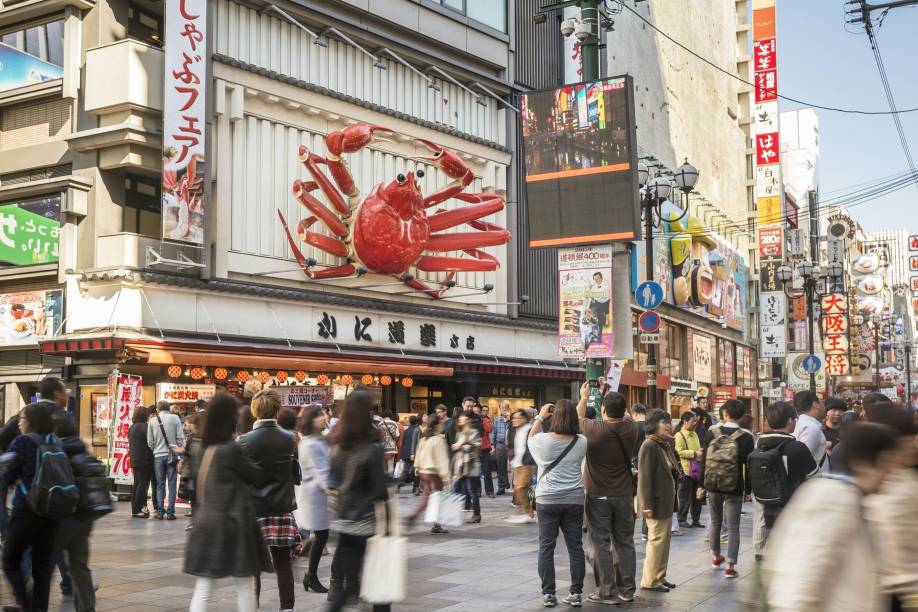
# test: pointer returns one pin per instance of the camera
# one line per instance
(568, 26)
(582, 31)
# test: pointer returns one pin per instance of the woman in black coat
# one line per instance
(141, 462)
(226, 539)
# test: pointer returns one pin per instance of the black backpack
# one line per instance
(54, 493)
(93, 485)
(770, 483)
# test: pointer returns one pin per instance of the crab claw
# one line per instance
(447, 161)
(353, 138)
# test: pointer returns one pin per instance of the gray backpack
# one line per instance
(721, 462)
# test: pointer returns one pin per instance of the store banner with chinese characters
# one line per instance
(773, 342)
(702, 358)
(184, 209)
(834, 324)
(179, 393)
(295, 396)
(773, 308)
(128, 396)
(771, 242)
(585, 295)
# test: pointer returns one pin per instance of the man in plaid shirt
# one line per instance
(499, 440)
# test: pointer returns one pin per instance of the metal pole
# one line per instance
(810, 290)
(908, 375)
(648, 264)
(876, 347)
(589, 48)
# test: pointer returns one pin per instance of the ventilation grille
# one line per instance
(34, 123)
(35, 174)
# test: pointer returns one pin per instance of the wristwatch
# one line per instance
(539, 418)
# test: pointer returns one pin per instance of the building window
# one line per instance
(31, 55)
(142, 206)
(492, 13)
(145, 26)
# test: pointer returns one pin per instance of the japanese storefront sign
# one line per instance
(773, 341)
(184, 209)
(295, 396)
(702, 358)
(794, 242)
(30, 232)
(748, 378)
(176, 392)
(771, 242)
(585, 294)
(799, 311)
(798, 379)
(28, 317)
(835, 250)
(774, 308)
(128, 396)
(768, 276)
(835, 343)
(769, 207)
(726, 361)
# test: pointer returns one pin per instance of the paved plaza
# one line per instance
(492, 566)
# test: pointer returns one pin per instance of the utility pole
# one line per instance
(862, 9)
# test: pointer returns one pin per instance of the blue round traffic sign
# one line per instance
(649, 321)
(811, 364)
(648, 295)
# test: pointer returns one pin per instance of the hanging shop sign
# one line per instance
(769, 207)
(835, 250)
(795, 242)
(722, 394)
(768, 277)
(702, 358)
(30, 231)
(184, 208)
(841, 226)
(771, 241)
(296, 396)
(797, 377)
(27, 317)
(726, 361)
(177, 392)
(585, 296)
(128, 396)
(799, 308)
(773, 308)
(773, 341)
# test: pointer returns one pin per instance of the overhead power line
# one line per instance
(732, 75)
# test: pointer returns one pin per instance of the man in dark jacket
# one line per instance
(410, 438)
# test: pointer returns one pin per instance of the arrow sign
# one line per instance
(648, 295)
(811, 364)
(649, 321)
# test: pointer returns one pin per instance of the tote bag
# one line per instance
(445, 508)
(385, 564)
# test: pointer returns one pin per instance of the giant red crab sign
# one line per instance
(390, 231)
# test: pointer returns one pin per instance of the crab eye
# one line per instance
(420, 173)
(401, 179)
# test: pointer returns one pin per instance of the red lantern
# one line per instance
(367, 379)
(407, 381)
(347, 379)
(300, 376)
(385, 379)
(322, 379)
(198, 373)
(220, 373)
(174, 371)
(242, 376)
(281, 376)
(263, 377)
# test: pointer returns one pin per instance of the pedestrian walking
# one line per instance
(726, 449)
(657, 476)
(186, 489)
(226, 539)
(499, 440)
(810, 413)
(777, 467)
(390, 433)
(141, 462)
(485, 428)
(245, 420)
(409, 438)
(273, 450)
(358, 482)
(26, 529)
(825, 518)
(312, 495)
(431, 463)
(165, 437)
(523, 466)
(688, 449)
(467, 465)
(610, 497)
(559, 495)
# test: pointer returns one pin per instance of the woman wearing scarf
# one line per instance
(467, 465)
(658, 471)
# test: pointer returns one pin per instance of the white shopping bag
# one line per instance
(445, 508)
(399, 470)
(385, 565)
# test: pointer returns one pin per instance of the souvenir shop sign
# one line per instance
(295, 396)
(174, 392)
(128, 396)
(585, 295)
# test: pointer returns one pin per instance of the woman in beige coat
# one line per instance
(431, 464)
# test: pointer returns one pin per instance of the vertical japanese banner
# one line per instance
(585, 294)
(128, 396)
(184, 117)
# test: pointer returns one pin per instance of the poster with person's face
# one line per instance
(585, 294)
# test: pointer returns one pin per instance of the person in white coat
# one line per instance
(312, 495)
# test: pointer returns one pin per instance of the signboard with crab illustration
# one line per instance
(395, 229)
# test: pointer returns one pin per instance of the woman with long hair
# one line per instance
(559, 495)
(431, 463)
(226, 539)
(141, 462)
(467, 464)
(312, 495)
(358, 481)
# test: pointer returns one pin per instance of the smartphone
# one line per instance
(593, 383)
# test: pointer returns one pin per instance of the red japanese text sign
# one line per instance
(771, 241)
(837, 365)
(767, 149)
(128, 396)
(184, 105)
(834, 324)
(835, 303)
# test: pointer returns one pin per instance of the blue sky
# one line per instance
(820, 62)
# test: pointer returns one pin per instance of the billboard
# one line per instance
(184, 102)
(581, 163)
(30, 232)
(29, 316)
(18, 69)
(585, 295)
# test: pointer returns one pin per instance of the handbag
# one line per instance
(399, 470)
(385, 564)
(548, 468)
(173, 456)
(694, 465)
(444, 508)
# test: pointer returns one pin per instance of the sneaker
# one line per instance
(697, 524)
(549, 601)
(597, 598)
(170, 517)
(520, 519)
(676, 532)
(730, 572)
(573, 599)
(437, 529)
(717, 562)
(626, 598)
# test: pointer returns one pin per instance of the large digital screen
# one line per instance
(581, 163)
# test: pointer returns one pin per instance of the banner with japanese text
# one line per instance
(128, 396)
(184, 208)
(296, 396)
(585, 294)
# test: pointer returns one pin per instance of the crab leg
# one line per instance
(349, 140)
(312, 161)
(334, 272)
(326, 216)
(452, 218)
(433, 263)
(307, 264)
(320, 241)
(434, 293)
(452, 166)
(467, 240)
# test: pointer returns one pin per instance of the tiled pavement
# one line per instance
(480, 568)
